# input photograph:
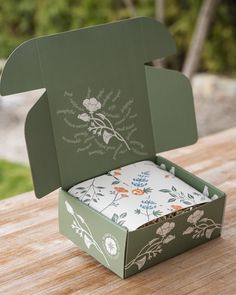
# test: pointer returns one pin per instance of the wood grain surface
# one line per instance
(36, 259)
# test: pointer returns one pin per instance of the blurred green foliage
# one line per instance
(14, 179)
(21, 20)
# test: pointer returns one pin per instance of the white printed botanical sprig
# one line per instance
(154, 246)
(102, 123)
(99, 123)
(200, 227)
(80, 227)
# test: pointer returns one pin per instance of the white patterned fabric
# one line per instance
(138, 193)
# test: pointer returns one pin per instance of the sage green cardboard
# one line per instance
(106, 62)
(103, 108)
(93, 232)
(132, 252)
(157, 242)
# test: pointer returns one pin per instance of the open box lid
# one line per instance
(103, 107)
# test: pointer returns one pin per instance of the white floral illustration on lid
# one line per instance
(200, 227)
(92, 105)
(84, 117)
(99, 123)
(102, 122)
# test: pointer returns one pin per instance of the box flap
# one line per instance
(102, 108)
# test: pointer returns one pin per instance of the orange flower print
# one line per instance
(116, 173)
(176, 207)
(138, 192)
(140, 182)
(120, 189)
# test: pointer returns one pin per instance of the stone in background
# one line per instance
(13, 111)
(215, 103)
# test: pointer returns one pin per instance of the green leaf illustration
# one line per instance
(173, 195)
(165, 190)
(186, 202)
(147, 190)
(121, 222)
(171, 200)
(115, 217)
(157, 213)
(123, 215)
(115, 182)
(137, 211)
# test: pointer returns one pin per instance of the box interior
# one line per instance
(139, 193)
(185, 176)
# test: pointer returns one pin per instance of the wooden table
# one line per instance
(36, 259)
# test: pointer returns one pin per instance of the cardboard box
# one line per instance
(142, 111)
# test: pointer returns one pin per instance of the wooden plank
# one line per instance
(36, 259)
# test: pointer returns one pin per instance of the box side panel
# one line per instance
(155, 243)
(92, 232)
(170, 90)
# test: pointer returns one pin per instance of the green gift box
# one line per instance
(147, 110)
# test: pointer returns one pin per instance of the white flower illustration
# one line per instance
(107, 136)
(193, 218)
(201, 227)
(110, 245)
(91, 104)
(99, 123)
(154, 247)
(165, 228)
(84, 117)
